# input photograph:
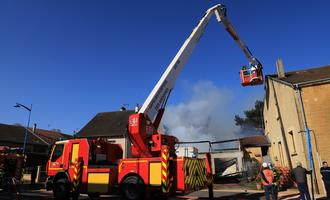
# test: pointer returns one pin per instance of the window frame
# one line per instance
(52, 159)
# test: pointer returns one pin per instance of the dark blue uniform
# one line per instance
(325, 171)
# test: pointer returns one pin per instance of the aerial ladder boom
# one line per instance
(222, 14)
(157, 99)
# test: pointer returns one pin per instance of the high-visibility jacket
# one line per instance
(268, 175)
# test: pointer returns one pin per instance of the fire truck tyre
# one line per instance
(75, 196)
(133, 188)
(61, 190)
(93, 195)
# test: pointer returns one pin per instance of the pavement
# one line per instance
(221, 192)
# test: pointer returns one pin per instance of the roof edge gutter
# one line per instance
(301, 84)
(280, 81)
(308, 83)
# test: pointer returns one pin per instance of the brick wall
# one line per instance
(316, 100)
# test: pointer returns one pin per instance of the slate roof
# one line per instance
(106, 124)
(16, 134)
(52, 136)
(305, 75)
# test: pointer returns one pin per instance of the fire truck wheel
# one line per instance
(61, 190)
(133, 188)
(93, 195)
(75, 196)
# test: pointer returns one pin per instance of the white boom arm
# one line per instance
(159, 95)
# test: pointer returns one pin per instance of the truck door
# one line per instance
(74, 153)
(56, 161)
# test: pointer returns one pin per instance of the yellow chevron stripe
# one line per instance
(165, 157)
(165, 170)
(197, 173)
(164, 165)
(193, 168)
(164, 173)
(201, 173)
(200, 168)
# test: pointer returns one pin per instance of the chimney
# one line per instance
(280, 69)
(34, 127)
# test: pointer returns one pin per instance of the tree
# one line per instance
(253, 117)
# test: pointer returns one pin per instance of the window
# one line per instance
(58, 150)
(293, 143)
(75, 152)
(281, 153)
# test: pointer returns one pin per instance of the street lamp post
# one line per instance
(18, 105)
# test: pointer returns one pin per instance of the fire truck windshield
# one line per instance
(57, 152)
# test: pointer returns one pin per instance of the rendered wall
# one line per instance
(283, 125)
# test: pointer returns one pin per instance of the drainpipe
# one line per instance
(309, 144)
(317, 149)
(297, 88)
(318, 154)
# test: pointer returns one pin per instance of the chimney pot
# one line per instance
(34, 127)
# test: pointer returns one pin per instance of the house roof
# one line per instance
(106, 124)
(254, 141)
(305, 75)
(51, 136)
(16, 134)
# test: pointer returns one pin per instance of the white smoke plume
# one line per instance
(204, 116)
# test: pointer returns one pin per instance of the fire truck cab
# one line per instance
(96, 171)
(95, 166)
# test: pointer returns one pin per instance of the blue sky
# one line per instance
(73, 59)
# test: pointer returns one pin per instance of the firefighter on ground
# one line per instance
(267, 177)
(276, 180)
(300, 175)
(325, 171)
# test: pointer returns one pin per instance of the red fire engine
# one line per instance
(11, 167)
(96, 166)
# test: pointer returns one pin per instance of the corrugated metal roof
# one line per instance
(254, 141)
(106, 124)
